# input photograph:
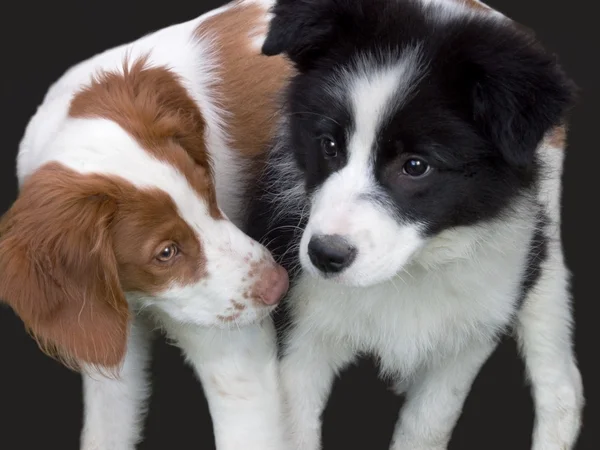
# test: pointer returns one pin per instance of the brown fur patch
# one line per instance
(558, 137)
(474, 4)
(152, 106)
(71, 244)
(247, 83)
(228, 319)
(238, 306)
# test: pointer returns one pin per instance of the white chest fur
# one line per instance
(421, 314)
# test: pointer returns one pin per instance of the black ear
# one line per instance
(518, 91)
(299, 29)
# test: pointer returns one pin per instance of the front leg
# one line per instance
(545, 336)
(239, 373)
(434, 400)
(115, 406)
(308, 370)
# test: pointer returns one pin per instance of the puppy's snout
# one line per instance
(272, 285)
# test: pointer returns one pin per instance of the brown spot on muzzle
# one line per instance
(228, 319)
(238, 306)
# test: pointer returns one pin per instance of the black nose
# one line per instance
(330, 253)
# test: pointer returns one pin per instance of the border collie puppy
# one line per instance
(414, 194)
(132, 176)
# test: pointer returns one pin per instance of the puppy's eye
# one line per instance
(416, 168)
(329, 147)
(167, 253)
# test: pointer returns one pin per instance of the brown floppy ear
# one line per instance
(58, 270)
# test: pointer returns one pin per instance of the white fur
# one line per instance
(237, 366)
(429, 309)
(239, 374)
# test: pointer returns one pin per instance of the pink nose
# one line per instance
(273, 285)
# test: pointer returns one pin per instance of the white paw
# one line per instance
(558, 416)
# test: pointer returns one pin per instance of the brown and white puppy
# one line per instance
(132, 174)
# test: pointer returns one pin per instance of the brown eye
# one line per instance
(167, 253)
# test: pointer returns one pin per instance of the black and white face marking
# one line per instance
(354, 232)
(408, 123)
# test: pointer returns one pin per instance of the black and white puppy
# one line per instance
(414, 191)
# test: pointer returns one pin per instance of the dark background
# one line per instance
(40, 401)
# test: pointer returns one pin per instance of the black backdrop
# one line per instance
(40, 401)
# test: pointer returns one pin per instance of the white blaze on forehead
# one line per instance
(374, 92)
(100, 146)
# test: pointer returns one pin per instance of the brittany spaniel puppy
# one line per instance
(131, 176)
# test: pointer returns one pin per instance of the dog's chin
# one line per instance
(246, 318)
(257, 315)
(351, 277)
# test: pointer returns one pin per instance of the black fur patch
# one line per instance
(538, 252)
(278, 228)
(487, 97)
